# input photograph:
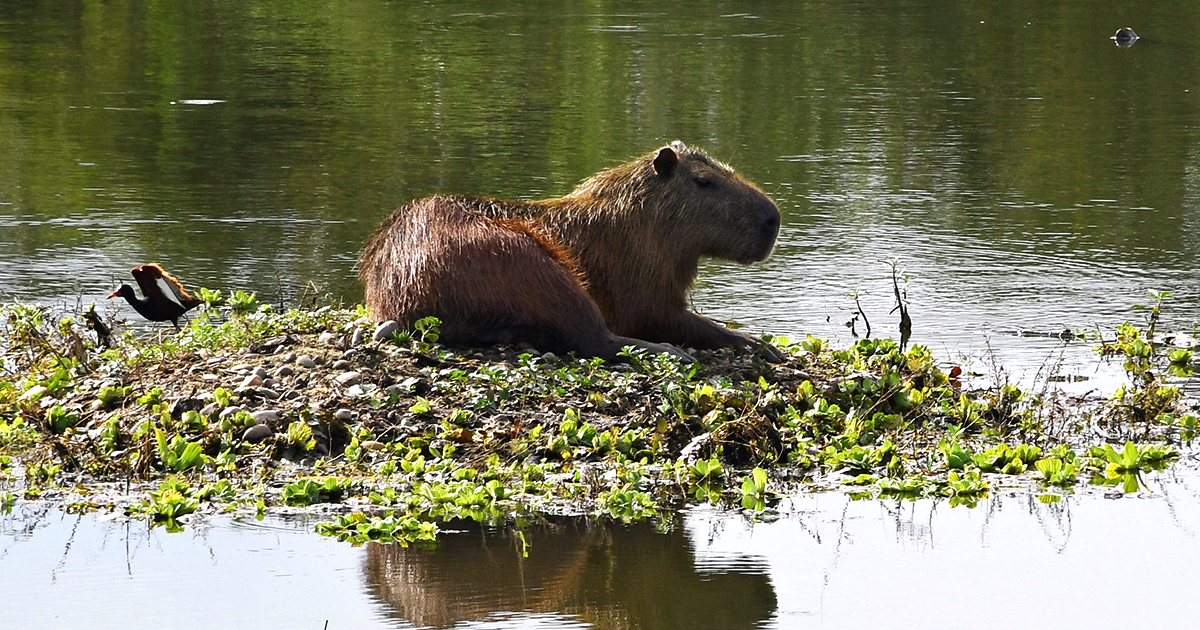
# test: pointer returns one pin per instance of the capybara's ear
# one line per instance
(664, 163)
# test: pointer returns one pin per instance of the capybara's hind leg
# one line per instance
(505, 286)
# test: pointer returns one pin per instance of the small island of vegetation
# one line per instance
(386, 433)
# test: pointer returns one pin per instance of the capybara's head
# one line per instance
(729, 215)
(696, 202)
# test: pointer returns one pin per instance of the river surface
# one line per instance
(827, 562)
(1027, 173)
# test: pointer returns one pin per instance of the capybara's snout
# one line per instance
(765, 220)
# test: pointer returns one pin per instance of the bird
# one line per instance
(1125, 37)
(164, 298)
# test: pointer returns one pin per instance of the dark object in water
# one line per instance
(1125, 37)
(165, 299)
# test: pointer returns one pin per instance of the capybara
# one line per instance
(606, 266)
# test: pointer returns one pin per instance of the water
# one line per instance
(1085, 561)
(1030, 175)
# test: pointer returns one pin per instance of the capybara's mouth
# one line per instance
(762, 252)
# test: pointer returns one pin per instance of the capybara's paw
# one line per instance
(771, 353)
(764, 348)
(671, 350)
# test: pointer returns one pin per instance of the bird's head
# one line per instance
(124, 291)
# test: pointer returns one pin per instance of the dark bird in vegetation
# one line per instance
(164, 298)
(94, 322)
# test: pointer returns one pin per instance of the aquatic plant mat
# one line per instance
(388, 434)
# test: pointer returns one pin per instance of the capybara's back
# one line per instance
(608, 265)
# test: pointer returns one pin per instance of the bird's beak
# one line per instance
(114, 294)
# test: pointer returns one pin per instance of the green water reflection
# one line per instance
(1030, 173)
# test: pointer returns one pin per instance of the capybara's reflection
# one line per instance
(611, 575)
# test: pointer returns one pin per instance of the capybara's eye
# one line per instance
(702, 181)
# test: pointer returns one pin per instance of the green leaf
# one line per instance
(1130, 459)
(956, 457)
(1111, 455)
(192, 456)
(1049, 466)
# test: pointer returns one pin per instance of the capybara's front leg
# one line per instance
(702, 332)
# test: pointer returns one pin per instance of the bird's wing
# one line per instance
(182, 297)
(146, 281)
(169, 291)
(162, 287)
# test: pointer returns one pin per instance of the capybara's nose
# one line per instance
(771, 225)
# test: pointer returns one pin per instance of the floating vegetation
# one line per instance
(390, 433)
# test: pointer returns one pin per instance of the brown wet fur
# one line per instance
(608, 265)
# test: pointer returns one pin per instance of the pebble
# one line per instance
(261, 372)
(384, 331)
(343, 415)
(266, 415)
(251, 381)
(282, 371)
(34, 392)
(327, 338)
(257, 433)
(289, 357)
(230, 410)
(214, 361)
(395, 351)
(356, 339)
(209, 377)
(342, 364)
(362, 321)
(345, 379)
(242, 367)
(269, 382)
(97, 405)
(210, 409)
(291, 395)
(371, 445)
(306, 362)
(267, 392)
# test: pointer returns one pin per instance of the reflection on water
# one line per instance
(1030, 175)
(604, 575)
(823, 561)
